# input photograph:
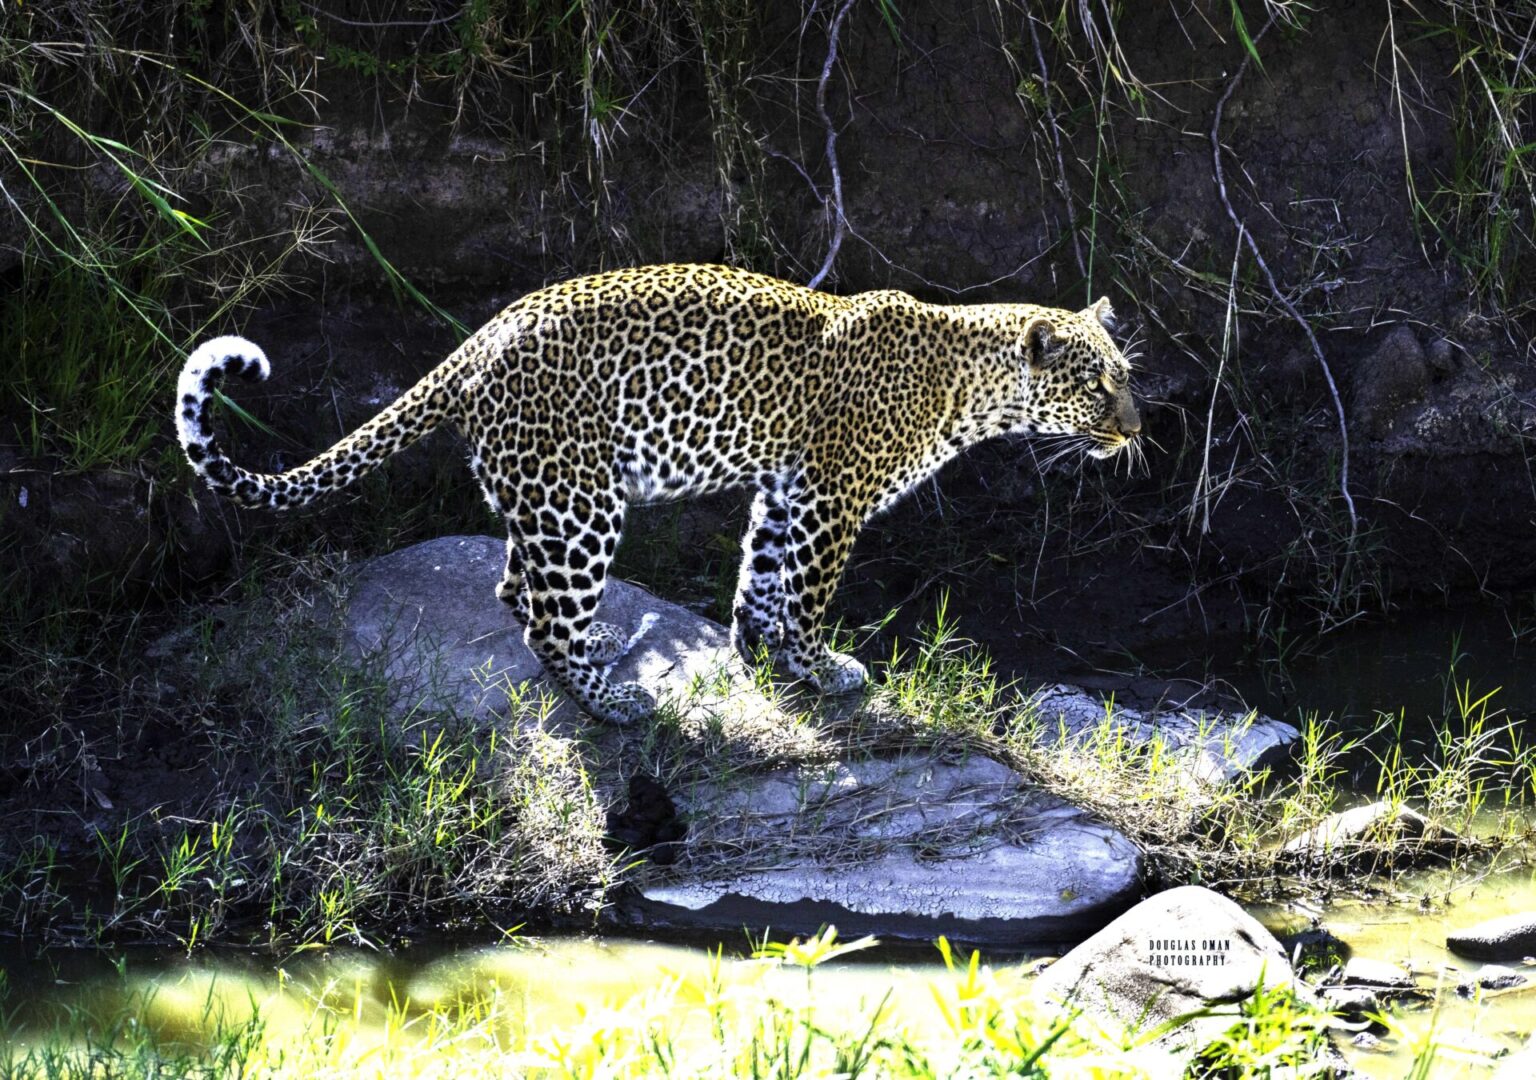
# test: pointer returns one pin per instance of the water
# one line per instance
(1413, 938)
(1411, 665)
(462, 1010)
(1432, 671)
(453, 1011)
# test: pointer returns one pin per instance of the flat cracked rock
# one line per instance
(907, 847)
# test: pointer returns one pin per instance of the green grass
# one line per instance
(328, 816)
(1479, 207)
(789, 1011)
(1476, 776)
(782, 1015)
(85, 378)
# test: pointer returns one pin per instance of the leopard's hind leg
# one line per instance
(757, 616)
(605, 642)
(563, 561)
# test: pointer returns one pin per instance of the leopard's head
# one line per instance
(1078, 380)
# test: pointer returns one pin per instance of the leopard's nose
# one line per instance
(1127, 419)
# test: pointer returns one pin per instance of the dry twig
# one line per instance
(1280, 298)
(839, 218)
(1061, 167)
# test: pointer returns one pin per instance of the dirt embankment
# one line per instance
(981, 155)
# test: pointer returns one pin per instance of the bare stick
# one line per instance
(839, 218)
(1061, 168)
(1280, 298)
(317, 10)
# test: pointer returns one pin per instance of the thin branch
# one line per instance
(1280, 298)
(840, 218)
(1061, 167)
(1202, 493)
(385, 25)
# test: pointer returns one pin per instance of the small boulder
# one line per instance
(1441, 355)
(1508, 937)
(1353, 1003)
(1380, 831)
(1178, 953)
(1214, 746)
(1315, 950)
(1395, 374)
(1491, 977)
(1378, 974)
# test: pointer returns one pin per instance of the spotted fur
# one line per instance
(663, 381)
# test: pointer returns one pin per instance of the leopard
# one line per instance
(663, 381)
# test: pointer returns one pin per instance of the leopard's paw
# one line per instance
(624, 704)
(839, 673)
(605, 643)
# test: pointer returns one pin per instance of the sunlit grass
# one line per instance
(519, 1011)
(1475, 775)
(364, 814)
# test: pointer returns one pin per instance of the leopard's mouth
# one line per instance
(1107, 445)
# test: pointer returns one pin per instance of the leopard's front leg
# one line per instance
(822, 528)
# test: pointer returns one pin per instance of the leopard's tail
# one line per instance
(412, 415)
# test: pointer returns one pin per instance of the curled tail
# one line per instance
(412, 415)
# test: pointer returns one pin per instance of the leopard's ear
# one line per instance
(1042, 345)
(1101, 311)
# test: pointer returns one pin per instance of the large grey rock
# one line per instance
(1176, 953)
(1214, 747)
(430, 614)
(908, 847)
(1508, 937)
